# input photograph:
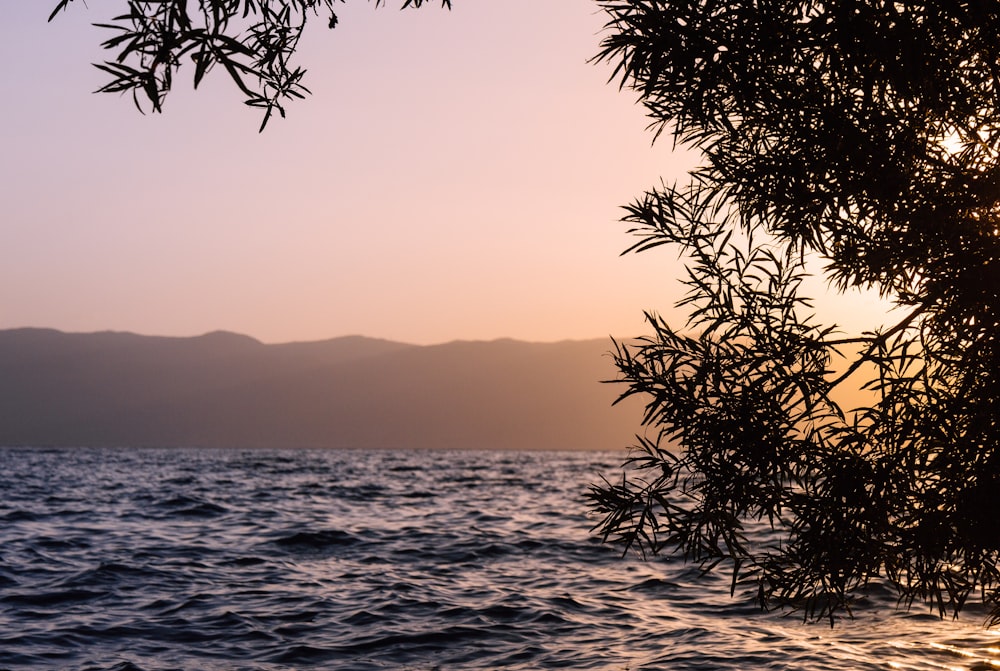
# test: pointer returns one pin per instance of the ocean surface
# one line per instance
(147, 559)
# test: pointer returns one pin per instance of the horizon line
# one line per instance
(226, 332)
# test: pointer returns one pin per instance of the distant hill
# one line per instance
(228, 390)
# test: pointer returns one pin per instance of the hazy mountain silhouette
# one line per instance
(224, 389)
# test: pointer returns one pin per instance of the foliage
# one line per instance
(865, 132)
(252, 40)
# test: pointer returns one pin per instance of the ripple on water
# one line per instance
(152, 560)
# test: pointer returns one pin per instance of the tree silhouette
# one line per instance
(866, 133)
(252, 40)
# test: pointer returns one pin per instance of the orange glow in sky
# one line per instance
(454, 175)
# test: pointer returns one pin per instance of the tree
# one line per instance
(864, 132)
(252, 40)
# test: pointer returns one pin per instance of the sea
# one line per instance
(156, 559)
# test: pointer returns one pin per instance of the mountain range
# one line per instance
(228, 390)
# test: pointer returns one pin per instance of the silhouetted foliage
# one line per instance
(866, 133)
(252, 40)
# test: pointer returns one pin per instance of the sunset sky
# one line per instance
(455, 175)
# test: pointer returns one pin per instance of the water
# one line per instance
(150, 560)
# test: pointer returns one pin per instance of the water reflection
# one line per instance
(383, 560)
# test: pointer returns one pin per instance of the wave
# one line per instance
(152, 560)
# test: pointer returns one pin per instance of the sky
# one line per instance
(455, 175)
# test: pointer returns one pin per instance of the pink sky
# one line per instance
(455, 175)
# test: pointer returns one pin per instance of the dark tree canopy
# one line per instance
(864, 132)
(252, 40)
